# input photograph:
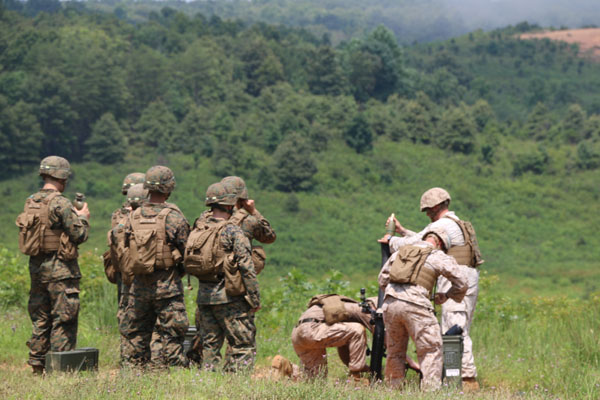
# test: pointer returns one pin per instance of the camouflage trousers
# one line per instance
(234, 322)
(404, 320)
(142, 317)
(156, 349)
(53, 308)
(310, 341)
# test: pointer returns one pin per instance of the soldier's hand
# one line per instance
(440, 298)
(399, 228)
(385, 239)
(85, 212)
(249, 206)
(253, 310)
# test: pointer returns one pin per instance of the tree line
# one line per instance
(92, 86)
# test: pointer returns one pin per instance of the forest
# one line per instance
(93, 87)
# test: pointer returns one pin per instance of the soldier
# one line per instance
(155, 236)
(408, 278)
(247, 217)
(228, 293)
(330, 321)
(50, 229)
(435, 203)
(136, 195)
(130, 180)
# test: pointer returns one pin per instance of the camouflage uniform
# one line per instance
(156, 300)
(312, 336)
(453, 313)
(54, 295)
(407, 312)
(221, 316)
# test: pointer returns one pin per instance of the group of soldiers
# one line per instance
(152, 247)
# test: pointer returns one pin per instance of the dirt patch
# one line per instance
(587, 39)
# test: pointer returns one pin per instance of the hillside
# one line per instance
(330, 139)
(588, 40)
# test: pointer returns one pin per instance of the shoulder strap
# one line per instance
(161, 231)
(461, 225)
(238, 217)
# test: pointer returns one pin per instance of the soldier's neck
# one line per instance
(48, 185)
(157, 197)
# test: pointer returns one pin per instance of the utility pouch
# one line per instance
(258, 258)
(142, 247)
(30, 233)
(234, 285)
(67, 250)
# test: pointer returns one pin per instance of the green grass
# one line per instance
(541, 348)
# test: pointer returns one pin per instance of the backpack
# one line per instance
(35, 235)
(204, 256)
(408, 267)
(146, 241)
(333, 307)
(469, 253)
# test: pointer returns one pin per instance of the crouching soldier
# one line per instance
(408, 278)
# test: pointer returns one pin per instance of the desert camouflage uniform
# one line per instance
(453, 313)
(407, 312)
(312, 336)
(221, 317)
(156, 302)
(54, 295)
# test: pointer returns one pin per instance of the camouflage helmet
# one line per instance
(136, 194)
(159, 179)
(220, 193)
(440, 233)
(433, 197)
(56, 167)
(132, 179)
(239, 185)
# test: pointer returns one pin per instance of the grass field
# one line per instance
(541, 348)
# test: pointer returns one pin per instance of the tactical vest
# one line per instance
(147, 243)
(259, 256)
(409, 267)
(204, 255)
(333, 307)
(35, 235)
(469, 253)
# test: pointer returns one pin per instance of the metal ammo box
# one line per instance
(84, 359)
(189, 338)
(453, 350)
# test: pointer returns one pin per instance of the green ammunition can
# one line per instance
(84, 359)
(453, 350)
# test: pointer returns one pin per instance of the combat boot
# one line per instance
(38, 369)
(470, 384)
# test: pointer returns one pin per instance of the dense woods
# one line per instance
(92, 86)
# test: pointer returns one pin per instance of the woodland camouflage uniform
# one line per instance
(54, 295)
(156, 299)
(220, 316)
